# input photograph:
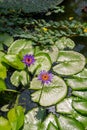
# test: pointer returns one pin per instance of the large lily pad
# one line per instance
(68, 62)
(49, 94)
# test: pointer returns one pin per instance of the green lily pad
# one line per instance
(68, 62)
(65, 106)
(20, 77)
(82, 74)
(14, 61)
(65, 43)
(4, 124)
(43, 62)
(68, 123)
(77, 83)
(52, 51)
(81, 118)
(50, 94)
(51, 118)
(80, 94)
(80, 106)
(21, 47)
(33, 119)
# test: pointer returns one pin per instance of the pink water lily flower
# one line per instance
(45, 77)
(28, 59)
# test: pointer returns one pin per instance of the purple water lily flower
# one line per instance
(28, 59)
(45, 77)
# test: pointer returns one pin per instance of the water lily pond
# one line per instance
(43, 68)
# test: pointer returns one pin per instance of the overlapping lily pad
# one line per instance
(14, 61)
(69, 63)
(68, 123)
(52, 51)
(21, 47)
(20, 77)
(42, 62)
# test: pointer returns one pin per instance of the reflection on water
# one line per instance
(74, 8)
(81, 45)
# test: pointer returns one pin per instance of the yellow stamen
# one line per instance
(45, 29)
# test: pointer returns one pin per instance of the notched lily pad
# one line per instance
(20, 77)
(50, 94)
(68, 62)
(42, 62)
